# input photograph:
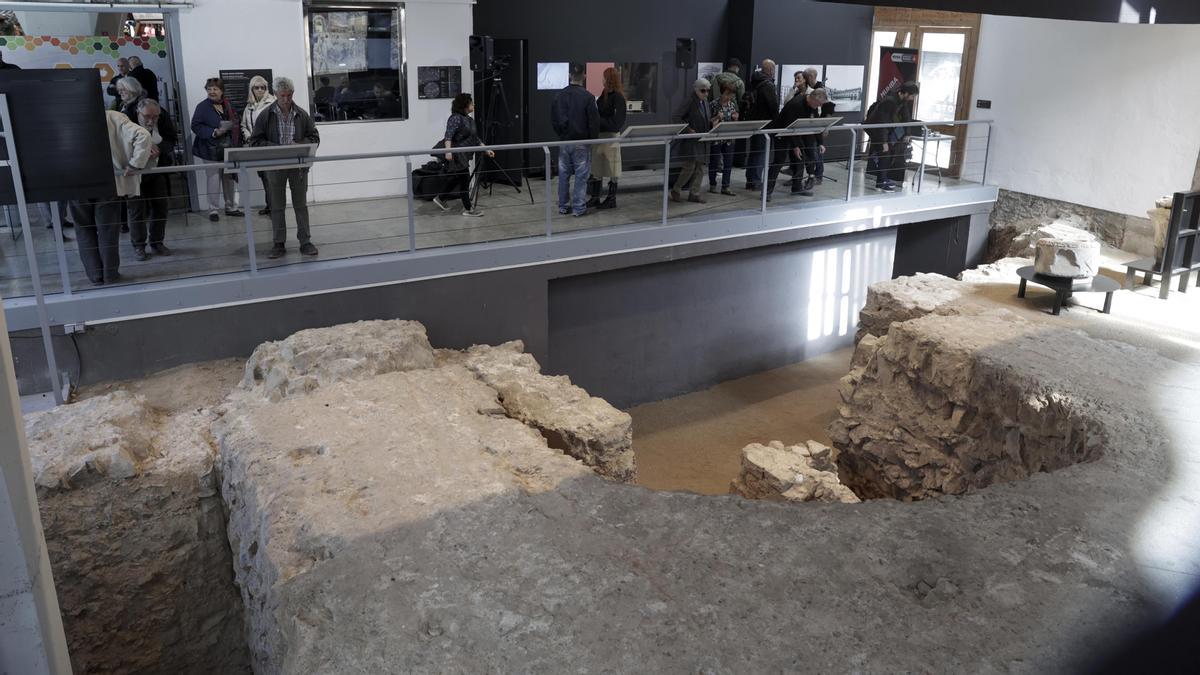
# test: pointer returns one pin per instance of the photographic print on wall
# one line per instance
(845, 87)
(787, 80)
(553, 75)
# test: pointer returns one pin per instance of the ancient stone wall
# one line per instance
(135, 530)
(949, 403)
(1015, 213)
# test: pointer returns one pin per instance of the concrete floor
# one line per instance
(380, 225)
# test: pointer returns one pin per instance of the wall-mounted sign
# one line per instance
(237, 85)
(439, 81)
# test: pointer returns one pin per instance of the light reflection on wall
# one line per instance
(838, 286)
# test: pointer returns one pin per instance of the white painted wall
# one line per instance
(1092, 113)
(436, 33)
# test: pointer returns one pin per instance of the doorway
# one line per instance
(947, 43)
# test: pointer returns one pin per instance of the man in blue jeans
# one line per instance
(575, 118)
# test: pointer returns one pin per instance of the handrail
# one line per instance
(648, 140)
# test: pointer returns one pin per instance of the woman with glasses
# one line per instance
(259, 100)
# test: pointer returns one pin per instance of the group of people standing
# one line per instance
(142, 136)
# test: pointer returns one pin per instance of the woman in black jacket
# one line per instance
(460, 133)
(606, 157)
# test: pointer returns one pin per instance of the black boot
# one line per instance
(594, 193)
(610, 202)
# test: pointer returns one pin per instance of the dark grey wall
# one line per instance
(648, 333)
(788, 31)
(742, 308)
(1167, 11)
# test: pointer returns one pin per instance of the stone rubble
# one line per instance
(799, 473)
(905, 298)
(583, 426)
(135, 531)
(317, 356)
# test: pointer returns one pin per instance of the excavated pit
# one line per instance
(395, 508)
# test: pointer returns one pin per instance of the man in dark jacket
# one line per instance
(763, 104)
(699, 114)
(792, 149)
(575, 118)
(886, 151)
(286, 123)
(144, 76)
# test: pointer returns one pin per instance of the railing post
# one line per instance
(549, 194)
(987, 150)
(244, 184)
(924, 150)
(35, 276)
(766, 169)
(666, 178)
(412, 223)
(850, 164)
(56, 221)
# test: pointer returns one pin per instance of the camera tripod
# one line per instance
(490, 123)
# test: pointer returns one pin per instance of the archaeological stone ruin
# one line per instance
(365, 499)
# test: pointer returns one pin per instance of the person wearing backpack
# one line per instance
(761, 102)
(886, 150)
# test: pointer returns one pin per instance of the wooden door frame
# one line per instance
(916, 22)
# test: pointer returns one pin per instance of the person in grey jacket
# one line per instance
(286, 123)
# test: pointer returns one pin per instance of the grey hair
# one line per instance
(701, 84)
(132, 85)
(284, 84)
(820, 94)
(147, 103)
(131, 59)
(812, 71)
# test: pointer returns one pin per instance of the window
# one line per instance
(356, 61)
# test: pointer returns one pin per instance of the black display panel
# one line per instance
(61, 135)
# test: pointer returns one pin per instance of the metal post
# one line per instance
(850, 164)
(924, 149)
(14, 166)
(766, 170)
(549, 194)
(56, 220)
(666, 178)
(244, 186)
(412, 223)
(987, 149)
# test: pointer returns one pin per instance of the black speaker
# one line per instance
(482, 50)
(685, 52)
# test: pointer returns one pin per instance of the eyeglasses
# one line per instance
(702, 91)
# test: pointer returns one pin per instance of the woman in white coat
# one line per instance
(257, 102)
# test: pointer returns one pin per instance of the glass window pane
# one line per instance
(357, 71)
(941, 70)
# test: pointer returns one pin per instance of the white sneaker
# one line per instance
(440, 205)
(473, 213)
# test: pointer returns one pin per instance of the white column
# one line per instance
(31, 630)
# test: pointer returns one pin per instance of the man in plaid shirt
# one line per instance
(286, 123)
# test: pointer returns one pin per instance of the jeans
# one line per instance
(458, 184)
(280, 181)
(720, 159)
(882, 165)
(148, 213)
(98, 229)
(573, 160)
(756, 159)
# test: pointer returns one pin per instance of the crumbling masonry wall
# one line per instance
(135, 530)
